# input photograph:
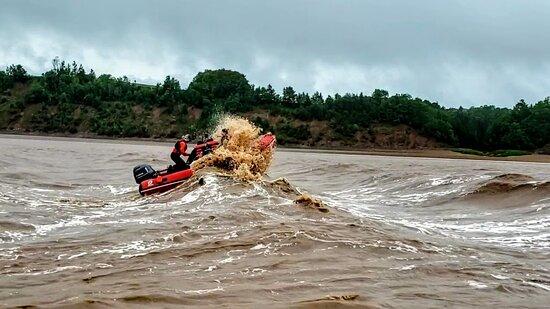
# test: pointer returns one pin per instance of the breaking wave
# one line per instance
(506, 183)
(507, 191)
(241, 156)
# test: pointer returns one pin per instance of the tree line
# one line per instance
(67, 98)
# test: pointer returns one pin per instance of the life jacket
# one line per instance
(179, 147)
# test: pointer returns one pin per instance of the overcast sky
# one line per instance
(454, 52)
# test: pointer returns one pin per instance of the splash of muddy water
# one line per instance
(241, 156)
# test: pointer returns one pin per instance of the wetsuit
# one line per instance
(180, 149)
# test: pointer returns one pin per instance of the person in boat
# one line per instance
(202, 148)
(180, 149)
(225, 137)
(209, 144)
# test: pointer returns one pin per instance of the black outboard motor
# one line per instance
(144, 172)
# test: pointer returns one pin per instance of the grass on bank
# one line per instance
(495, 153)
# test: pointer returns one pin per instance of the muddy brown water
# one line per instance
(400, 232)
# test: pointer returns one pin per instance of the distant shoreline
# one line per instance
(440, 153)
(84, 136)
(421, 153)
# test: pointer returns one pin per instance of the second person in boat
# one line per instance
(179, 150)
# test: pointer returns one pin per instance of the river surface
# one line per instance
(400, 232)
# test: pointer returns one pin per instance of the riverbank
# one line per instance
(424, 153)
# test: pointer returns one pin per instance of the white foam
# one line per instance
(477, 285)
(259, 247)
(77, 255)
(499, 277)
(201, 292)
(538, 285)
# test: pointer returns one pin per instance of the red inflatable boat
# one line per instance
(267, 141)
(151, 181)
(164, 181)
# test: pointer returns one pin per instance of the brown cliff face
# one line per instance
(321, 134)
(398, 137)
(377, 136)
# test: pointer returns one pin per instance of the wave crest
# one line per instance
(240, 156)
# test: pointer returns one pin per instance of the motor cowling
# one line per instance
(144, 172)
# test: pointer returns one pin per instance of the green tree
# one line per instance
(220, 84)
(289, 96)
(17, 73)
(37, 94)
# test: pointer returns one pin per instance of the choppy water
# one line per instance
(401, 232)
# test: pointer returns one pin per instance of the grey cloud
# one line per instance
(455, 52)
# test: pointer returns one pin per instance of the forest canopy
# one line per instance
(69, 99)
